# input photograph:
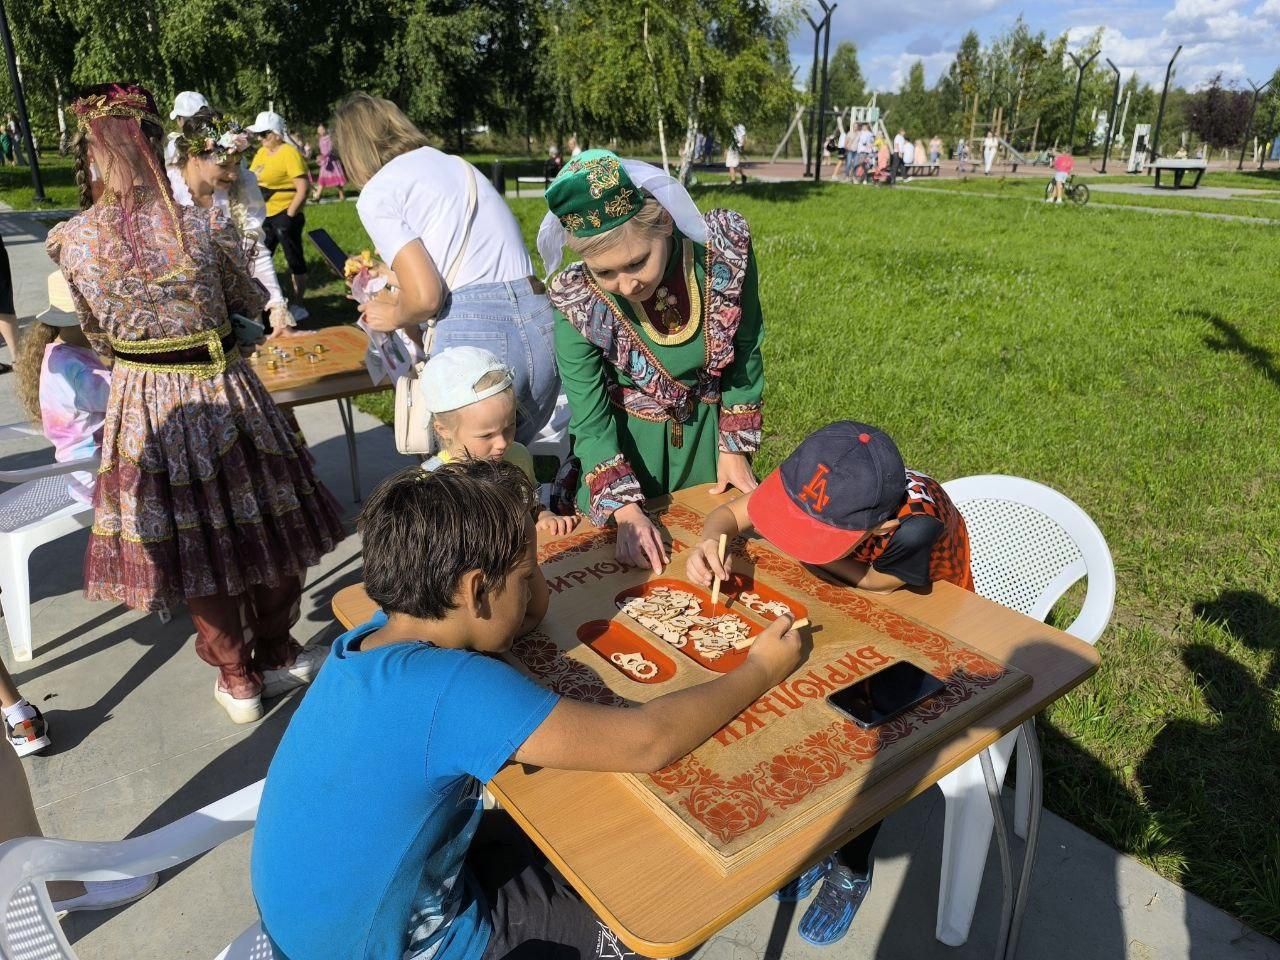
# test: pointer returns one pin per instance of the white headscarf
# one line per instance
(667, 190)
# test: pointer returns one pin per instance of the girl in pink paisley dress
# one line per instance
(204, 495)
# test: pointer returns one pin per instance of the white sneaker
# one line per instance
(106, 894)
(300, 673)
(239, 709)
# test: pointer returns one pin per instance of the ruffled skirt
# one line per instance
(204, 489)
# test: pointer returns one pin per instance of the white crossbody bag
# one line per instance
(413, 422)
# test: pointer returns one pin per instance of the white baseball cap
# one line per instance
(450, 377)
(268, 121)
(187, 104)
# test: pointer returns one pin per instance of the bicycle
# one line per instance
(1075, 192)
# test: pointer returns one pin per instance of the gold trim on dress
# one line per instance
(689, 329)
(212, 339)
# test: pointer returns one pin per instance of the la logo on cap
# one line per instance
(815, 491)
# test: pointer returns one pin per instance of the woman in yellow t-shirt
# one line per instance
(282, 175)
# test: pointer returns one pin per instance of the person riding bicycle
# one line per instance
(1063, 164)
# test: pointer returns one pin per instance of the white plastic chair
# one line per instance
(39, 510)
(1029, 545)
(30, 930)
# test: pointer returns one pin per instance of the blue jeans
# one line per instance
(514, 323)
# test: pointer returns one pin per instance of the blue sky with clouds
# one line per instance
(1240, 38)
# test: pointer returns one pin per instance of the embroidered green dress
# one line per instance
(650, 417)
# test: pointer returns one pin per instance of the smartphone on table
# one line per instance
(885, 694)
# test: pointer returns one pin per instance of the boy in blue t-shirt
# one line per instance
(371, 841)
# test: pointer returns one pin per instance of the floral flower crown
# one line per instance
(222, 139)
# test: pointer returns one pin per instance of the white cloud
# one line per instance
(894, 68)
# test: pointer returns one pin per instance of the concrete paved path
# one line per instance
(139, 742)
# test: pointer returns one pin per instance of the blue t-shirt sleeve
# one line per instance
(485, 713)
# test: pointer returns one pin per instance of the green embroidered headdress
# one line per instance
(597, 191)
(593, 193)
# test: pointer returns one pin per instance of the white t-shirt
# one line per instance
(908, 153)
(422, 195)
(989, 142)
(843, 141)
(866, 141)
(898, 141)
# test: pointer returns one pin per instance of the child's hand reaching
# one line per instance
(704, 563)
(554, 524)
(777, 649)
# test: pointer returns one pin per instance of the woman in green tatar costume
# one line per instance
(658, 335)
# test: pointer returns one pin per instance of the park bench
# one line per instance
(1179, 168)
(541, 182)
(923, 170)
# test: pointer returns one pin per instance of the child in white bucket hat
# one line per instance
(468, 392)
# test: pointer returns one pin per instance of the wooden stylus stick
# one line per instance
(715, 588)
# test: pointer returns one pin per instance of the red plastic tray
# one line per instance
(605, 638)
(726, 662)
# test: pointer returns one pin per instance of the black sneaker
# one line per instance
(28, 736)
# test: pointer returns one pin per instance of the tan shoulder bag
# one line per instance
(413, 422)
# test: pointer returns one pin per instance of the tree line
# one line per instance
(1022, 84)
(528, 71)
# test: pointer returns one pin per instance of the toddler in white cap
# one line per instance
(468, 392)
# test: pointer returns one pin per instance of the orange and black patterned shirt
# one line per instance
(930, 542)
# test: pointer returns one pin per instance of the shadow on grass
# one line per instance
(789, 191)
(1231, 340)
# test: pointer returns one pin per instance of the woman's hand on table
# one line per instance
(704, 564)
(734, 470)
(554, 524)
(777, 650)
(639, 542)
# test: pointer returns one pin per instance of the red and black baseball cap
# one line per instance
(839, 483)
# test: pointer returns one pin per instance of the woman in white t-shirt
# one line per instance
(473, 280)
(989, 146)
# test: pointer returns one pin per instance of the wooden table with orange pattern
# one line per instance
(637, 873)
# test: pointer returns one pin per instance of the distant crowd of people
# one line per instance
(860, 155)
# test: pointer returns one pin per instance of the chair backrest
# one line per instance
(29, 929)
(250, 945)
(1030, 544)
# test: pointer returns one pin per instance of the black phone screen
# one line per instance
(329, 249)
(885, 694)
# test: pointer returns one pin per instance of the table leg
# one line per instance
(1036, 805)
(1006, 864)
(353, 460)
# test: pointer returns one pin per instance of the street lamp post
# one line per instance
(813, 86)
(21, 102)
(1111, 117)
(826, 81)
(1075, 105)
(1248, 127)
(1154, 145)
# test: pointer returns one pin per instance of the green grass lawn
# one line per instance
(57, 177)
(1131, 361)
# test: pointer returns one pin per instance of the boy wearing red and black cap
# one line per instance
(844, 501)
